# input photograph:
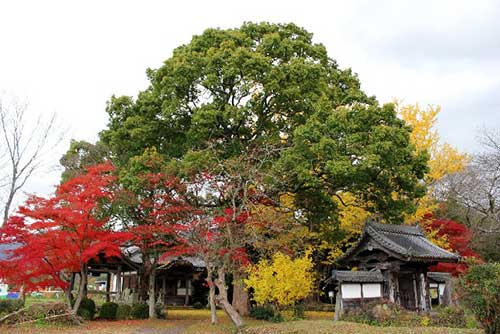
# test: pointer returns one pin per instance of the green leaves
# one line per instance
(361, 149)
(234, 91)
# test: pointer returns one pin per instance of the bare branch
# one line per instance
(26, 140)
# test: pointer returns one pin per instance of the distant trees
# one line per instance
(473, 195)
(25, 140)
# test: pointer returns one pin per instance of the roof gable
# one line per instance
(407, 243)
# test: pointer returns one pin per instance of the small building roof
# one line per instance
(134, 255)
(373, 276)
(439, 277)
(408, 243)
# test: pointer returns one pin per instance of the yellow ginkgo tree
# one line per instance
(444, 158)
(282, 281)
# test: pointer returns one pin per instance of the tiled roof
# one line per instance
(439, 276)
(133, 254)
(357, 276)
(408, 242)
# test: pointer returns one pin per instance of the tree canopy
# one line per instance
(230, 91)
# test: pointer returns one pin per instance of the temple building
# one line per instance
(391, 262)
(179, 280)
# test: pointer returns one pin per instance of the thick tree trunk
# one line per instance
(68, 292)
(223, 301)
(211, 298)
(240, 294)
(81, 289)
(151, 292)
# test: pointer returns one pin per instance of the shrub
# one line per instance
(10, 305)
(139, 311)
(86, 310)
(451, 316)
(375, 313)
(479, 290)
(198, 305)
(277, 317)
(299, 311)
(44, 313)
(123, 312)
(160, 311)
(108, 311)
(262, 312)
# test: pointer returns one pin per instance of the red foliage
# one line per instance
(220, 239)
(459, 237)
(165, 217)
(60, 234)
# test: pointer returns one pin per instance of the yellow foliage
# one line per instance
(443, 158)
(352, 217)
(282, 281)
(439, 240)
(275, 228)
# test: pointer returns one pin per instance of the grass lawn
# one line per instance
(189, 321)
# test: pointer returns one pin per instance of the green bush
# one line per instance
(479, 290)
(299, 311)
(381, 313)
(197, 305)
(262, 312)
(108, 311)
(451, 316)
(160, 311)
(10, 305)
(86, 310)
(277, 317)
(139, 311)
(123, 312)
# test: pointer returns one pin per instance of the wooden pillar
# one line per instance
(448, 289)
(108, 286)
(164, 288)
(118, 287)
(392, 292)
(415, 291)
(186, 298)
(397, 293)
(338, 304)
(423, 292)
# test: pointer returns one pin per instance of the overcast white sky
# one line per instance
(71, 56)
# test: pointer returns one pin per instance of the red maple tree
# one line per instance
(57, 236)
(459, 237)
(159, 228)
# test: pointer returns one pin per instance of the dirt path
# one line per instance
(172, 330)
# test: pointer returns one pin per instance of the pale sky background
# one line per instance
(69, 57)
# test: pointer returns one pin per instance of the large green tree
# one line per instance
(231, 88)
(268, 89)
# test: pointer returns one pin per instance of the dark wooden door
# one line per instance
(407, 291)
(171, 287)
